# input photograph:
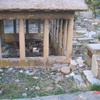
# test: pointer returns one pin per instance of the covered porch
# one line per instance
(57, 33)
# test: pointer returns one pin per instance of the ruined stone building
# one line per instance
(35, 32)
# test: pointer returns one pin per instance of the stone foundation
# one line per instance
(31, 61)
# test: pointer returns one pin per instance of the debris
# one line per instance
(65, 70)
(37, 88)
(1, 70)
(24, 94)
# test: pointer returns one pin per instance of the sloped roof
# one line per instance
(74, 5)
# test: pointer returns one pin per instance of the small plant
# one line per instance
(74, 90)
(95, 87)
(4, 68)
(59, 91)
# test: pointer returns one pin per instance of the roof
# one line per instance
(75, 5)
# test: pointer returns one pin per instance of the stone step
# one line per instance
(89, 78)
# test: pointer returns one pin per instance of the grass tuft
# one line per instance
(74, 90)
(95, 87)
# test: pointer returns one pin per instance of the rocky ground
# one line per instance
(32, 82)
(59, 79)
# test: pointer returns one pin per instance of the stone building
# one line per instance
(53, 22)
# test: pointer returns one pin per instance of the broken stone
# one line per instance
(65, 70)
(29, 73)
(56, 67)
(37, 88)
(79, 78)
(10, 69)
(73, 62)
(21, 71)
(90, 78)
(35, 77)
(70, 75)
(1, 70)
(17, 80)
(49, 89)
(24, 94)
(1, 91)
(80, 62)
(59, 79)
(72, 67)
(82, 86)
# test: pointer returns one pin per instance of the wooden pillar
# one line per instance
(54, 30)
(27, 27)
(21, 39)
(0, 39)
(46, 39)
(14, 24)
(70, 37)
(60, 36)
(65, 37)
(57, 30)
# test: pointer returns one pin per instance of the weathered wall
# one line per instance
(15, 37)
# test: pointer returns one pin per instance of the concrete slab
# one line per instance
(90, 78)
(93, 48)
(79, 78)
(70, 96)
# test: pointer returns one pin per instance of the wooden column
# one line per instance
(60, 39)
(0, 39)
(70, 37)
(57, 30)
(14, 24)
(60, 36)
(54, 30)
(46, 39)
(27, 27)
(65, 38)
(21, 39)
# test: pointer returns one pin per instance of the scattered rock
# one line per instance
(1, 70)
(80, 62)
(73, 62)
(37, 88)
(59, 79)
(35, 77)
(56, 67)
(10, 69)
(17, 80)
(1, 91)
(21, 71)
(65, 70)
(49, 89)
(24, 94)
(70, 75)
(82, 86)
(29, 73)
(72, 67)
